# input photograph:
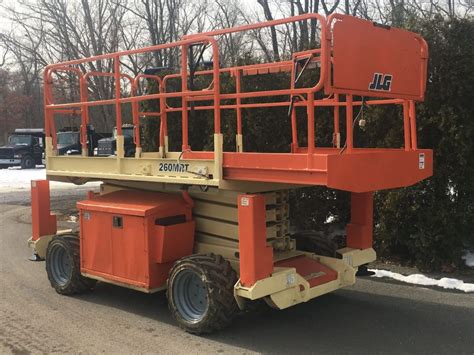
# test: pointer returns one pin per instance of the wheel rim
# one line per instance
(190, 295)
(61, 265)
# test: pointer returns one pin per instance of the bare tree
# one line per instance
(167, 21)
(227, 14)
(4, 57)
(268, 15)
(49, 31)
(57, 30)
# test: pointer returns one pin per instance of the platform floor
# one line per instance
(362, 170)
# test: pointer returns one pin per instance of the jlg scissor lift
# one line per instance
(211, 227)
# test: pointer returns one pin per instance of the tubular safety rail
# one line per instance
(355, 58)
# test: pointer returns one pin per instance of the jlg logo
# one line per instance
(381, 82)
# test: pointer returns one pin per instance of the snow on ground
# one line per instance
(16, 179)
(19, 179)
(469, 259)
(418, 279)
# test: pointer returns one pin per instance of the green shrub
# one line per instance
(430, 223)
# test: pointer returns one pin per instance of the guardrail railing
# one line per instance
(383, 87)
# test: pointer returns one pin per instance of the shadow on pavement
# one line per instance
(341, 322)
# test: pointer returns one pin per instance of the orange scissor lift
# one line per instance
(212, 227)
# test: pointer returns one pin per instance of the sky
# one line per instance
(5, 24)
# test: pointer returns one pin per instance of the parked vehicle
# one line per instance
(108, 146)
(69, 143)
(25, 148)
(69, 140)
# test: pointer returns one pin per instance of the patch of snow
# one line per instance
(418, 279)
(15, 179)
(469, 259)
(330, 219)
(19, 178)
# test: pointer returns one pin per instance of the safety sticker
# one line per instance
(245, 201)
(421, 161)
(290, 279)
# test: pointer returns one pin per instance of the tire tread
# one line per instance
(221, 278)
(78, 283)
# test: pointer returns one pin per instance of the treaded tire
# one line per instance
(27, 162)
(320, 242)
(63, 266)
(217, 280)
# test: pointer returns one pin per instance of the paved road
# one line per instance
(372, 317)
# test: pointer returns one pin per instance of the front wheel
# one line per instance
(201, 293)
(63, 266)
(27, 162)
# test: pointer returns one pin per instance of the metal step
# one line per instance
(311, 270)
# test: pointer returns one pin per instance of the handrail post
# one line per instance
(238, 110)
(406, 125)
(412, 110)
(218, 137)
(163, 123)
(50, 141)
(337, 134)
(294, 132)
(136, 122)
(84, 114)
(47, 84)
(184, 89)
(217, 87)
(349, 123)
(310, 113)
(118, 109)
(294, 125)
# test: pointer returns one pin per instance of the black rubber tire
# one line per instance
(219, 279)
(70, 281)
(324, 243)
(27, 162)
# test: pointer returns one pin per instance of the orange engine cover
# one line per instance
(133, 237)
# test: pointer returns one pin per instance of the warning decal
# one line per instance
(421, 161)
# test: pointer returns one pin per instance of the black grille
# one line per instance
(6, 153)
(105, 148)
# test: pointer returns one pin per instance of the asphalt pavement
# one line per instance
(374, 316)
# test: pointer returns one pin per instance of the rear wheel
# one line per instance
(201, 293)
(63, 266)
(325, 242)
(27, 162)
